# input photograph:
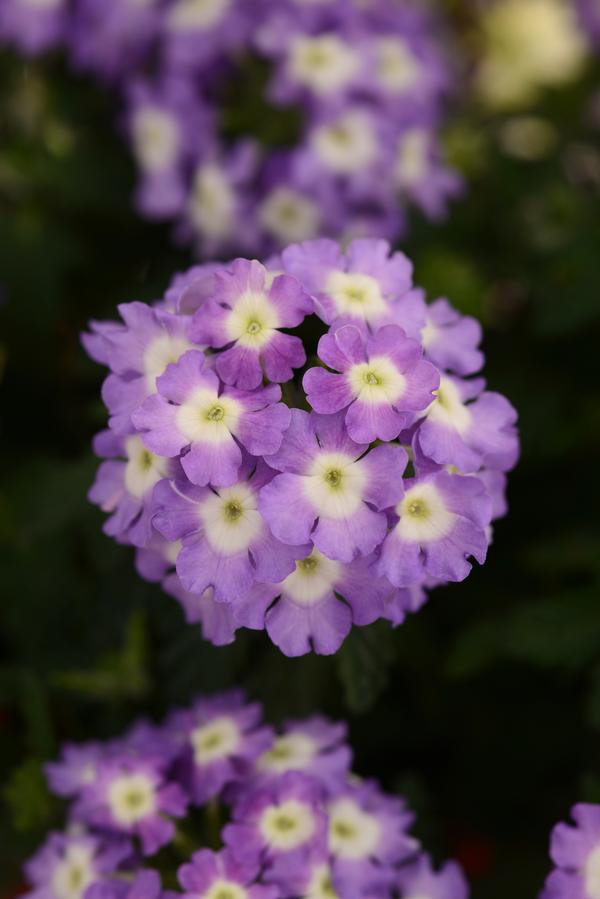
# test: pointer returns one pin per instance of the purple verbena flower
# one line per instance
(315, 746)
(382, 380)
(225, 541)
(219, 739)
(76, 768)
(131, 795)
(68, 863)
(451, 340)
(438, 524)
(216, 875)
(331, 491)
(365, 285)
(315, 607)
(194, 411)
(284, 817)
(245, 316)
(124, 485)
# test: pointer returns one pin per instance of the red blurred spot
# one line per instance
(475, 853)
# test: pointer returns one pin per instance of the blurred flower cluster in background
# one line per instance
(484, 709)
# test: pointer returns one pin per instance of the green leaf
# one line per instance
(363, 665)
(27, 797)
(121, 675)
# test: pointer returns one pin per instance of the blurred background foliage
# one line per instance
(485, 707)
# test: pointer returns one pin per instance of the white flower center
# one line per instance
(212, 202)
(448, 409)
(353, 833)
(73, 874)
(288, 216)
(320, 886)
(224, 889)
(347, 145)
(143, 469)
(397, 67)
(429, 333)
(314, 577)
(216, 740)
(356, 294)
(325, 63)
(424, 516)
(131, 797)
(206, 417)
(291, 752)
(159, 353)
(288, 825)
(155, 138)
(377, 381)
(335, 485)
(412, 158)
(192, 15)
(252, 320)
(88, 774)
(591, 874)
(231, 519)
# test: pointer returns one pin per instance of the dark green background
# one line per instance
(484, 708)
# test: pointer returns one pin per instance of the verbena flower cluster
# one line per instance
(255, 124)
(575, 851)
(298, 446)
(281, 812)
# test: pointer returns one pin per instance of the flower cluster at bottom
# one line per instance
(283, 813)
(575, 850)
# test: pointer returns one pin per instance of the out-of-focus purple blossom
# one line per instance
(575, 851)
(358, 92)
(218, 740)
(283, 814)
(69, 863)
(33, 25)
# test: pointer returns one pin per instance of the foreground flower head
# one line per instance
(575, 851)
(299, 447)
(291, 818)
(339, 138)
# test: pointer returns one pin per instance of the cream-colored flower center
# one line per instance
(591, 874)
(159, 353)
(291, 752)
(377, 381)
(325, 63)
(208, 418)
(225, 889)
(288, 825)
(321, 886)
(289, 216)
(217, 739)
(412, 158)
(253, 320)
(335, 485)
(155, 138)
(448, 409)
(212, 203)
(143, 469)
(356, 295)
(353, 833)
(398, 68)
(190, 15)
(231, 519)
(131, 797)
(347, 145)
(314, 577)
(424, 516)
(73, 874)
